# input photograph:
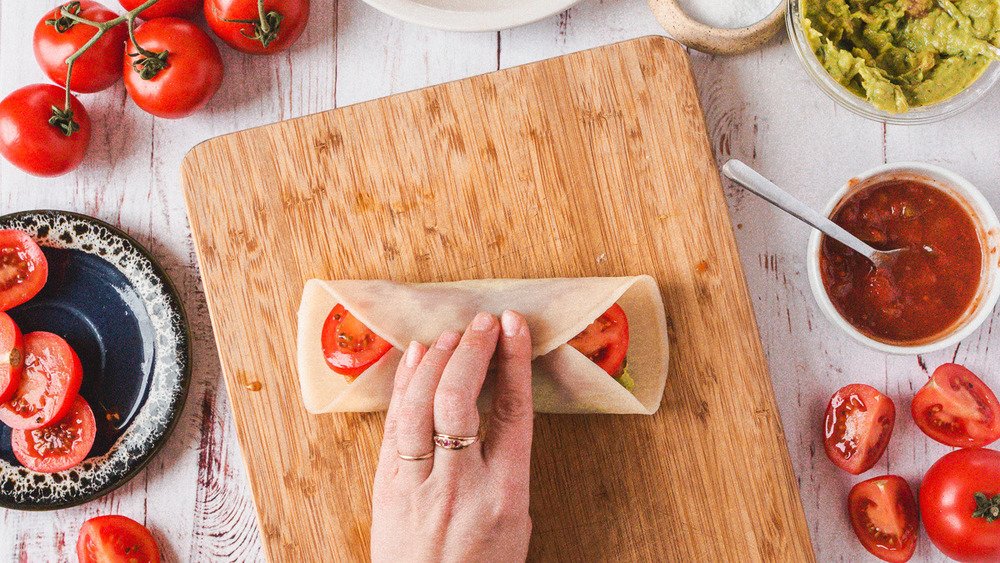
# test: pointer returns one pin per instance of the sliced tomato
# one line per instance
(605, 341)
(23, 268)
(884, 517)
(348, 345)
(957, 409)
(857, 427)
(60, 446)
(11, 356)
(49, 383)
(116, 539)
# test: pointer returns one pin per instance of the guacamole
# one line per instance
(899, 54)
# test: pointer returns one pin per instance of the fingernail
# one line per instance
(511, 323)
(482, 322)
(448, 340)
(413, 354)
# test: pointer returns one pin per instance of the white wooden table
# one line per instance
(760, 107)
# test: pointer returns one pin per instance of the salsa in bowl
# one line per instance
(939, 289)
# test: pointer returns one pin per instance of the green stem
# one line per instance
(265, 27)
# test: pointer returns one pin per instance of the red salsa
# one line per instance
(927, 289)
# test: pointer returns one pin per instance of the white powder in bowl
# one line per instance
(729, 13)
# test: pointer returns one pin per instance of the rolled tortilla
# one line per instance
(564, 380)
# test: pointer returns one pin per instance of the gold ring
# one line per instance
(450, 442)
(405, 457)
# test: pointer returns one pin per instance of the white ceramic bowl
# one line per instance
(985, 217)
(471, 15)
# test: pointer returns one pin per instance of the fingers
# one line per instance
(455, 411)
(404, 372)
(508, 445)
(415, 418)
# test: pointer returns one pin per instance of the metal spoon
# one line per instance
(747, 177)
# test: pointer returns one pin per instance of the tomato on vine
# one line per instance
(57, 37)
(164, 8)
(39, 135)
(172, 68)
(257, 26)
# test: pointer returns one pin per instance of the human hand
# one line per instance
(466, 504)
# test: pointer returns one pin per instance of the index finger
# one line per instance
(508, 442)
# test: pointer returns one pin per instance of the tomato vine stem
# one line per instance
(265, 27)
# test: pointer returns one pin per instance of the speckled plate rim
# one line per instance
(172, 405)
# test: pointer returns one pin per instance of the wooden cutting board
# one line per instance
(592, 164)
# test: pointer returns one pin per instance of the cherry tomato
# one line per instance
(34, 137)
(11, 356)
(605, 341)
(960, 503)
(857, 427)
(884, 517)
(164, 8)
(116, 539)
(23, 269)
(49, 384)
(58, 447)
(348, 345)
(56, 38)
(190, 78)
(239, 23)
(957, 409)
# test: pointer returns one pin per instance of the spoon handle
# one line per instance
(747, 177)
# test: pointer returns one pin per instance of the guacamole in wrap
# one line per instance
(899, 54)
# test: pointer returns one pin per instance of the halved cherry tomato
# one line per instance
(23, 268)
(190, 76)
(30, 139)
(238, 23)
(960, 504)
(56, 38)
(60, 446)
(164, 8)
(884, 517)
(857, 427)
(957, 409)
(605, 341)
(11, 356)
(348, 345)
(116, 539)
(49, 384)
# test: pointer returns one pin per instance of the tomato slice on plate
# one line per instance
(116, 539)
(23, 268)
(605, 341)
(957, 409)
(11, 356)
(348, 345)
(49, 383)
(857, 427)
(59, 446)
(884, 517)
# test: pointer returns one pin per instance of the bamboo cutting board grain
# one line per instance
(592, 164)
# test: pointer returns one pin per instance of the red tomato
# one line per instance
(56, 38)
(605, 341)
(348, 345)
(11, 356)
(191, 77)
(116, 539)
(239, 23)
(857, 427)
(164, 8)
(960, 503)
(60, 446)
(33, 136)
(23, 268)
(884, 517)
(49, 383)
(957, 409)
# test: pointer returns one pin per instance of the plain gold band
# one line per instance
(405, 457)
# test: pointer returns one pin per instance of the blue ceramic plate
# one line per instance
(111, 301)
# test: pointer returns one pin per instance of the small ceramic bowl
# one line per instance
(982, 213)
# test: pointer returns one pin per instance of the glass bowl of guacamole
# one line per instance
(899, 61)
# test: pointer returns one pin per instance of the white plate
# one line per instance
(471, 15)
